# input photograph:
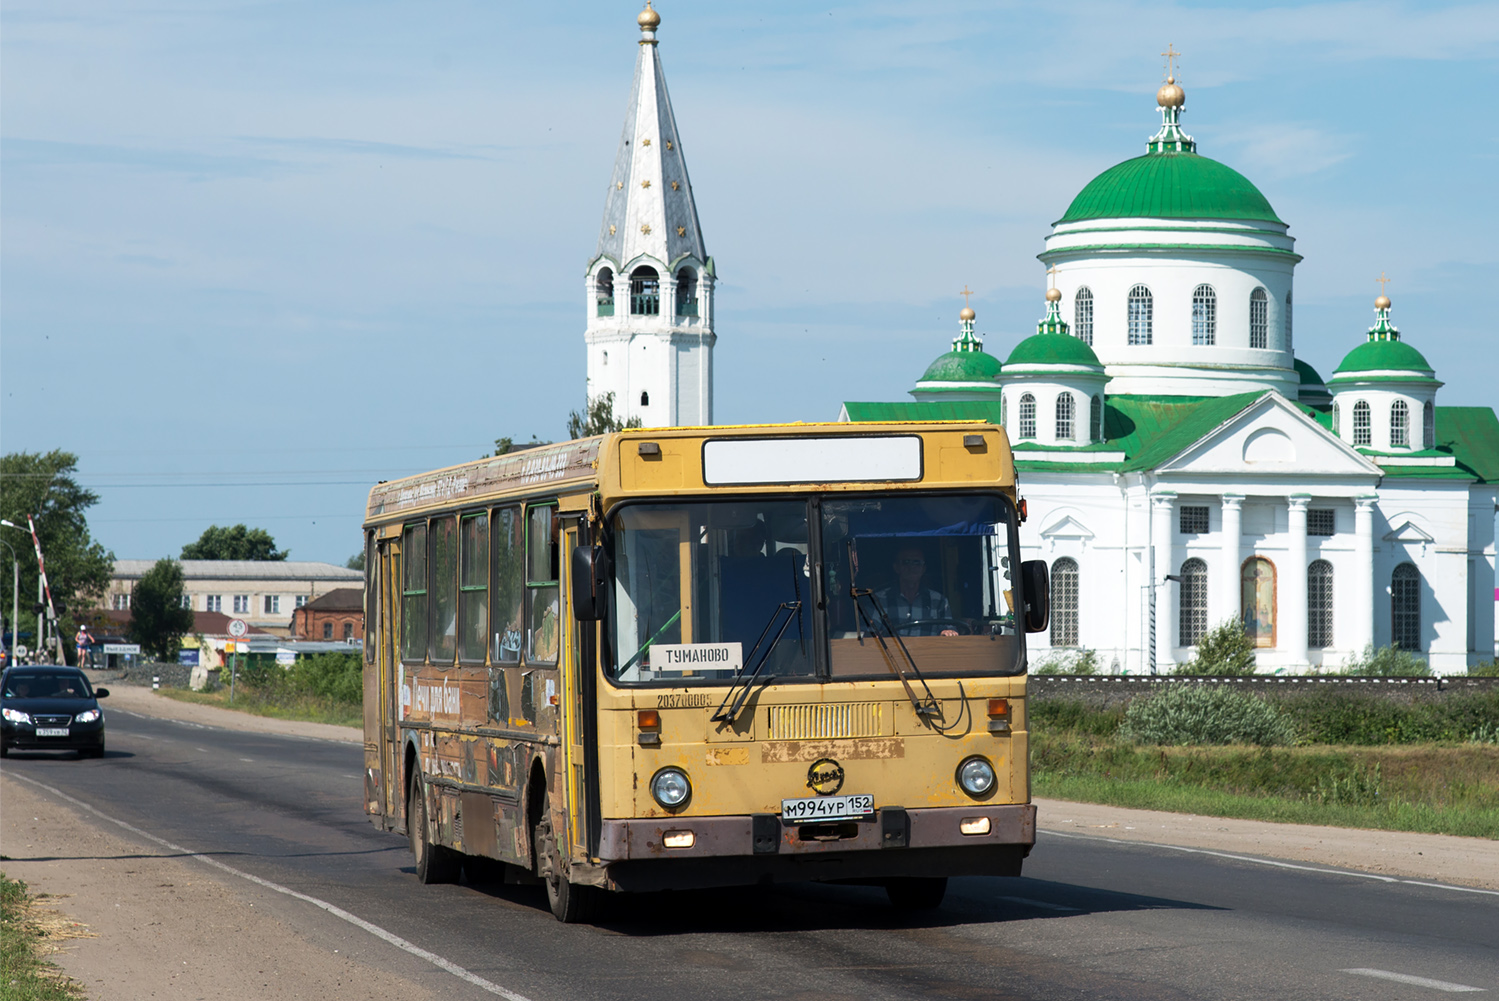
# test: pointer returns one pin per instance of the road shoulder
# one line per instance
(146, 702)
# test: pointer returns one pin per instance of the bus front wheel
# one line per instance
(434, 863)
(570, 903)
(916, 893)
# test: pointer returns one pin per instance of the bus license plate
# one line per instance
(51, 731)
(802, 811)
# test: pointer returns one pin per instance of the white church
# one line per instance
(1181, 466)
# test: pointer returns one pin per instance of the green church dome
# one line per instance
(1309, 376)
(1053, 349)
(963, 366)
(1374, 356)
(1170, 185)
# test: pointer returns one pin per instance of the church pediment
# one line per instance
(1066, 527)
(1270, 437)
(1408, 531)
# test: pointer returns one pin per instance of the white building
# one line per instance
(1182, 468)
(264, 593)
(649, 286)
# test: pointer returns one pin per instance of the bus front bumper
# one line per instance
(955, 841)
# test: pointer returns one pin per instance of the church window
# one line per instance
(645, 291)
(686, 292)
(1194, 519)
(1064, 603)
(1319, 605)
(1140, 327)
(1204, 315)
(1405, 607)
(1259, 319)
(1027, 416)
(1192, 620)
(1322, 521)
(603, 289)
(1257, 600)
(1361, 433)
(1082, 315)
(1288, 321)
(1400, 424)
(1428, 425)
(1095, 418)
(1064, 416)
(645, 398)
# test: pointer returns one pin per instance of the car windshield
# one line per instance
(704, 591)
(47, 685)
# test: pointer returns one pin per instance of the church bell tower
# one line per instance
(649, 285)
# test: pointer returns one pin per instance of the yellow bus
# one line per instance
(695, 657)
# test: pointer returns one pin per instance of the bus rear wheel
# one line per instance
(434, 863)
(570, 903)
(916, 893)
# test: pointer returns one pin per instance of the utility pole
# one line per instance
(15, 597)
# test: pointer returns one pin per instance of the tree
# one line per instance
(598, 418)
(237, 543)
(157, 617)
(1225, 651)
(355, 562)
(504, 446)
(78, 567)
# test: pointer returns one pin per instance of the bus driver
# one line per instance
(910, 601)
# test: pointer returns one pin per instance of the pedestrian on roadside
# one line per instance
(83, 641)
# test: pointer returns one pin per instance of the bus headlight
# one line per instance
(671, 788)
(976, 776)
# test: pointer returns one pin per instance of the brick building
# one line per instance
(337, 615)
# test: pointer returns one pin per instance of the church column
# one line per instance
(1161, 538)
(1361, 623)
(1226, 605)
(1292, 601)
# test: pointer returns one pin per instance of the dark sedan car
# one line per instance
(47, 708)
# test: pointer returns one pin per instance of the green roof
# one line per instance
(963, 366)
(1374, 356)
(957, 410)
(1472, 435)
(1052, 349)
(1309, 376)
(1152, 429)
(1170, 186)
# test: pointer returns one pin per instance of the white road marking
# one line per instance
(338, 912)
(1273, 862)
(1028, 902)
(1406, 978)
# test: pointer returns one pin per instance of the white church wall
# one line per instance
(1425, 523)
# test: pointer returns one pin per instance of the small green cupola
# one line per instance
(966, 372)
(1054, 385)
(1384, 392)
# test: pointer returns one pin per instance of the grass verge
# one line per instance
(303, 708)
(1427, 788)
(25, 974)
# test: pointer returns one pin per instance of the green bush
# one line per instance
(1486, 669)
(1342, 717)
(332, 676)
(1387, 662)
(1226, 651)
(1071, 715)
(1197, 714)
(1069, 662)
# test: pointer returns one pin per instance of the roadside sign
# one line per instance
(21, 650)
(122, 648)
(238, 627)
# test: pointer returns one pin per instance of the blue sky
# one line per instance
(256, 256)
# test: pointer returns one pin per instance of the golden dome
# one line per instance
(1383, 302)
(648, 20)
(1053, 295)
(1170, 95)
(967, 313)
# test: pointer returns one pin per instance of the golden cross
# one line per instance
(1051, 275)
(966, 293)
(1383, 281)
(1170, 55)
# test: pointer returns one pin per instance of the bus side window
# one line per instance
(414, 594)
(508, 587)
(442, 593)
(543, 625)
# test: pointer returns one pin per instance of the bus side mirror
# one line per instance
(1034, 578)
(590, 582)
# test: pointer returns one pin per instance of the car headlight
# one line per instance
(15, 716)
(976, 776)
(87, 716)
(670, 787)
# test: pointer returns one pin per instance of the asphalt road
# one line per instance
(1091, 918)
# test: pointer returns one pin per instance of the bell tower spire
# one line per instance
(649, 285)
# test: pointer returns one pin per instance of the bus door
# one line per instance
(389, 569)
(578, 730)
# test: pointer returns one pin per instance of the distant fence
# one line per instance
(1105, 690)
(171, 675)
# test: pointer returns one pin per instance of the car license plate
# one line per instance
(51, 731)
(851, 807)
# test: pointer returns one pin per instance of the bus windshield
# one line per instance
(705, 590)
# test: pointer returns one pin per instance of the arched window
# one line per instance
(1288, 321)
(1257, 600)
(1027, 416)
(1259, 319)
(603, 292)
(1405, 607)
(1064, 605)
(1361, 433)
(1192, 620)
(1400, 424)
(1139, 315)
(645, 291)
(1082, 315)
(1337, 422)
(1428, 425)
(686, 292)
(1095, 418)
(1064, 417)
(1204, 315)
(1319, 605)
(645, 398)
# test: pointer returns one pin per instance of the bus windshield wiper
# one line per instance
(654, 637)
(721, 715)
(928, 710)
